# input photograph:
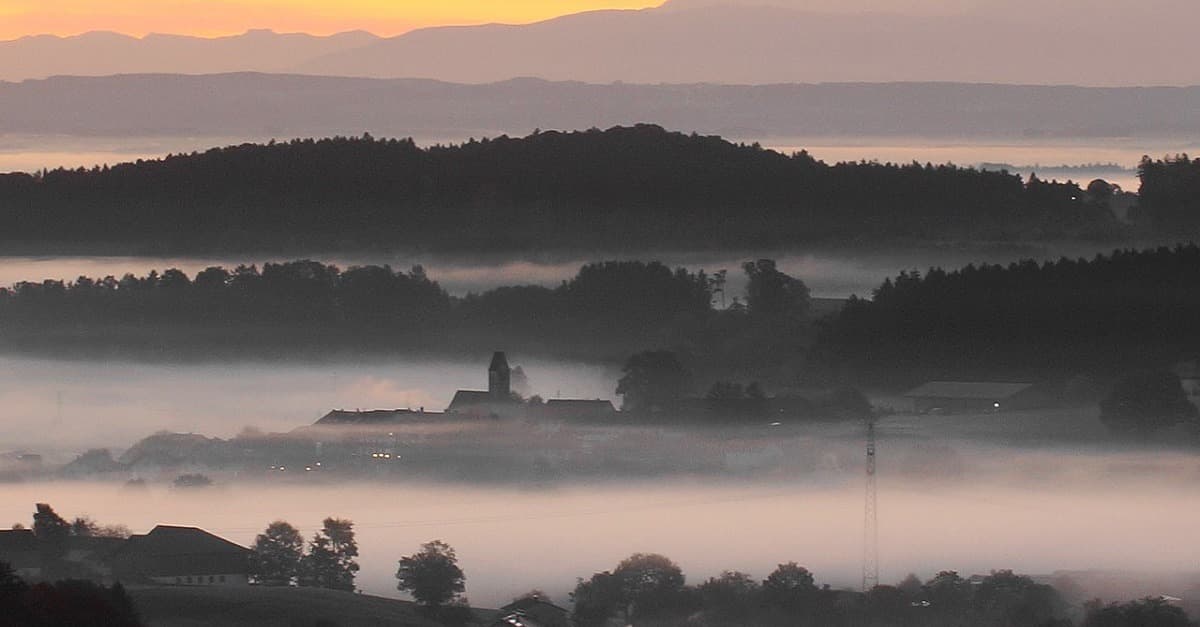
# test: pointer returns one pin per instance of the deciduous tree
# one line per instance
(432, 575)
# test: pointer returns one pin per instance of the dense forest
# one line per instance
(1099, 317)
(626, 187)
(1169, 200)
(606, 312)
(1114, 313)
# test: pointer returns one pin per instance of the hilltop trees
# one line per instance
(649, 589)
(330, 560)
(622, 187)
(432, 575)
(1169, 197)
(69, 603)
(48, 526)
(652, 381)
(730, 596)
(1148, 612)
(278, 554)
(435, 580)
(642, 586)
(789, 587)
(770, 292)
(1024, 320)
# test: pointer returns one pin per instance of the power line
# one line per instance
(870, 566)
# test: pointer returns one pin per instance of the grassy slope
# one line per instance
(169, 606)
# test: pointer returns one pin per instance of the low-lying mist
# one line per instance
(829, 273)
(70, 406)
(979, 508)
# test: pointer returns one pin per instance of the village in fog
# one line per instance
(599, 313)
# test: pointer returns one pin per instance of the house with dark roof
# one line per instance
(186, 556)
(376, 417)
(532, 612)
(975, 396)
(19, 547)
(577, 408)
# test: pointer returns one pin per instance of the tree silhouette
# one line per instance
(650, 583)
(789, 587)
(621, 187)
(596, 599)
(652, 381)
(1147, 612)
(770, 292)
(278, 554)
(432, 575)
(330, 560)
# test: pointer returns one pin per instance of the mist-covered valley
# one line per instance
(1005, 359)
(944, 503)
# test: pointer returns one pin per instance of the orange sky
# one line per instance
(225, 17)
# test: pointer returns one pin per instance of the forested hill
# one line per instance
(1103, 316)
(623, 187)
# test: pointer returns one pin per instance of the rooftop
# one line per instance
(579, 402)
(374, 416)
(974, 390)
(165, 540)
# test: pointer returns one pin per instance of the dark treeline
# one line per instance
(66, 603)
(650, 590)
(1104, 316)
(625, 187)
(606, 312)
(1169, 200)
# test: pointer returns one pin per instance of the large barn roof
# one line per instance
(376, 417)
(175, 551)
(972, 390)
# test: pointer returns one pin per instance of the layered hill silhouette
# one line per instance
(106, 53)
(285, 106)
(1101, 43)
(626, 187)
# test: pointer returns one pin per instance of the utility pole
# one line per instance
(870, 564)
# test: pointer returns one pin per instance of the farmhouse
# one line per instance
(167, 555)
(569, 408)
(19, 548)
(532, 612)
(341, 417)
(185, 556)
(974, 396)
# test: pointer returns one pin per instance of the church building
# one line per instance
(497, 402)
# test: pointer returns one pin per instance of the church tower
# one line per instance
(499, 378)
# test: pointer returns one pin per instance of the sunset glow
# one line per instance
(226, 17)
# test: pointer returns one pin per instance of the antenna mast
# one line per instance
(870, 565)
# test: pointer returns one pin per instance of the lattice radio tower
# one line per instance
(870, 564)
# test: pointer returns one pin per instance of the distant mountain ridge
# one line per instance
(754, 42)
(106, 53)
(285, 106)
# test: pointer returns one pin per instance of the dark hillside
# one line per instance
(261, 606)
(637, 187)
(1103, 316)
